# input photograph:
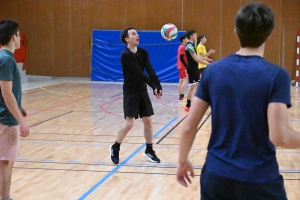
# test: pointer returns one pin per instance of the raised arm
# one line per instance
(212, 51)
(201, 60)
(197, 58)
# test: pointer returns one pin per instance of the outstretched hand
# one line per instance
(212, 51)
(209, 60)
(184, 173)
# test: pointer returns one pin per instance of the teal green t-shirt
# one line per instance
(9, 72)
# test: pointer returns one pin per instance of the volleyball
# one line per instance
(169, 31)
(293, 83)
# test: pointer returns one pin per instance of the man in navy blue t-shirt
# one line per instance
(249, 117)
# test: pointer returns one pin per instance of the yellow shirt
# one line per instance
(201, 50)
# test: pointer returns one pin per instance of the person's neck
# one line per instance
(249, 51)
(8, 48)
(132, 48)
(201, 43)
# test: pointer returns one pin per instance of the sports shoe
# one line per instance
(186, 108)
(151, 156)
(114, 154)
(181, 98)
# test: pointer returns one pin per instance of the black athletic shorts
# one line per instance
(137, 104)
(215, 187)
(201, 70)
(194, 74)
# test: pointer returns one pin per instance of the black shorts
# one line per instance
(201, 70)
(194, 74)
(215, 187)
(137, 104)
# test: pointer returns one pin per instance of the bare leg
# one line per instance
(148, 130)
(191, 91)
(195, 89)
(180, 86)
(184, 84)
(5, 177)
(125, 129)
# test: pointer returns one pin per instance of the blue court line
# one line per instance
(99, 163)
(122, 163)
(48, 161)
(22, 159)
(73, 161)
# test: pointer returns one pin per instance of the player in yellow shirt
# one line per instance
(201, 51)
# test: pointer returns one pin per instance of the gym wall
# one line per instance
(59, 31)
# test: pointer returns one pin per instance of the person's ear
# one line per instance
(235, 33)
(13, 37)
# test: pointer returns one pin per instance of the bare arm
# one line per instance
(199, 59)
(11, 103)
(208, 53)
(281, 135)
(187, 136)
(189, 127)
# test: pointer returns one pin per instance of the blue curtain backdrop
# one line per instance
(107, 47)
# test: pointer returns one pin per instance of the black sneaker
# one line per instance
(114, 154)
(151, 156)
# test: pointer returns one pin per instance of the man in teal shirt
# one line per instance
(12, 121)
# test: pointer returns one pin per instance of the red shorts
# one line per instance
(183, 74)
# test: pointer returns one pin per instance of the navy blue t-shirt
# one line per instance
(239, 89)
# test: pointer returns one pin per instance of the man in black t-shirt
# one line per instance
(192, 66)
(136, 101)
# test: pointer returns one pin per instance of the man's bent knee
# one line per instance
(129, 122)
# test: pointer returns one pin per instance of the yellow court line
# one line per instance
(59, 93)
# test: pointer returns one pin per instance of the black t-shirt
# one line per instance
(134, 66)
(189, 50)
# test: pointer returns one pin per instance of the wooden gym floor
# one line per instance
(73, 124)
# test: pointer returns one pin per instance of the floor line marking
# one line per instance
(123, 163)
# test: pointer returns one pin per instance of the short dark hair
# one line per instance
(200, 37)
(8, 28)
(189, 33)
(254, 23)
(182, 37)
(124, 34)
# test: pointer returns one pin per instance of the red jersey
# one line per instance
(181, 51)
